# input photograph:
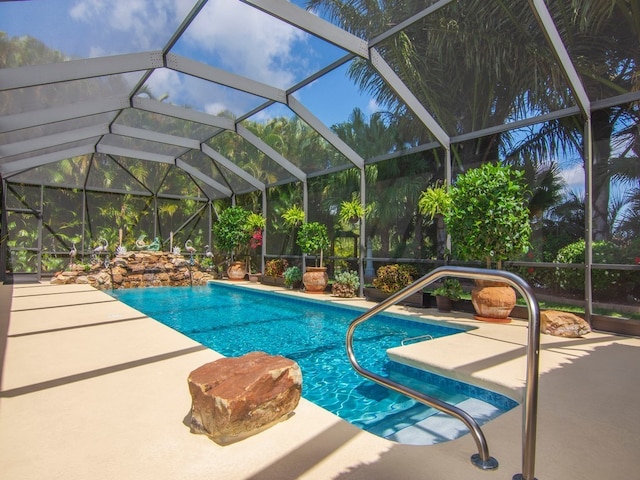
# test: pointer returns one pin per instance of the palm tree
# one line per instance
(475, 64)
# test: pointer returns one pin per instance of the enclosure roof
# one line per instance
(191, 89)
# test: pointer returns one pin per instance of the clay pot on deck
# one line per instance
(493, 301)
(236, 271)
(315, 279)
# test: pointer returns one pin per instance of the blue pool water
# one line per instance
(234, 321)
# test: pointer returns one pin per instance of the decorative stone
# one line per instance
(132, 270)
(563, 324)
(234, 398)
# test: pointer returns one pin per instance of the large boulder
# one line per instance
(563, 324)
(233, 398)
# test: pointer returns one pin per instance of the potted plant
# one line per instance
(486, 214)
(351, 211)
(345, 284)
(292, 277)
(235, 231)
(312, 240)
(392, 278)
(293, 217)
(274, 271)
(447, 293)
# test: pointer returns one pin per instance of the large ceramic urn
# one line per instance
(315, 279)
(236, 271)
(493, 301)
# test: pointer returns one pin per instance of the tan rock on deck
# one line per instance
(563, 324)
(234, 398)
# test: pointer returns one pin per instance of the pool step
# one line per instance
(440, 427)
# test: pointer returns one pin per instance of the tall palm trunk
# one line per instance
(602, 127)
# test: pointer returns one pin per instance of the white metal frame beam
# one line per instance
(9, 168)
(182, 113)
(325, 132)
(216, 75)
(18, 121)
(270, 152)
(403, 92)
(34, 75)
(205, 178)
(48, 141)
(152, 136)
(300, 18)
(553, 37)
(229, 165)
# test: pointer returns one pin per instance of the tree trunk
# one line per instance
(602, 131)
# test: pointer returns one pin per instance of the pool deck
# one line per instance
(93, 389)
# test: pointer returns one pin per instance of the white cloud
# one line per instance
(247, 41)
(87, 10)
(573, 177)
(164, 81)
(215, 108)
(372, 106)
(144, 24)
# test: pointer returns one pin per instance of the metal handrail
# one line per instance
(482, 459)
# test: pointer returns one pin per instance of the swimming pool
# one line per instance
(233, 321)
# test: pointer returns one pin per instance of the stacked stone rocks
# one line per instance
(137, 269)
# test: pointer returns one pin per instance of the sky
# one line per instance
(226, 34)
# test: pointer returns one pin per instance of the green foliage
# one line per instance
(345, 284)
(293, 216)
(313, 238)
(352, 210)
(450, 288)
(434, 201)
(292, 275)
(255, 221)
(275, 267)
(488, 217)
(235, 227)
(603, 280)
(392, 278)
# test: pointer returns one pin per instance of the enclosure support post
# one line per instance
(3, 232)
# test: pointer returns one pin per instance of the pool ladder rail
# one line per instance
(482, 459)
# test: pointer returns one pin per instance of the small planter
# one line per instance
(254, 277)
(444, 304)
(271, 280)
(374, 295)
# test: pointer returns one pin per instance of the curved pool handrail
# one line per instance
(482, 459)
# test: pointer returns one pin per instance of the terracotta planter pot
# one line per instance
(315, 279)
(236, 271)
(493, 302)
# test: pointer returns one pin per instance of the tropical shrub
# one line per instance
(604, 252)
(345, 284)
(275, 267)
(450, 288)
(313, 239)
(292, 275)
(392, 278)
(488, 216)
(237, 228)
(485, 213)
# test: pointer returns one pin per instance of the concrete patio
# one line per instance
(93, 389)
